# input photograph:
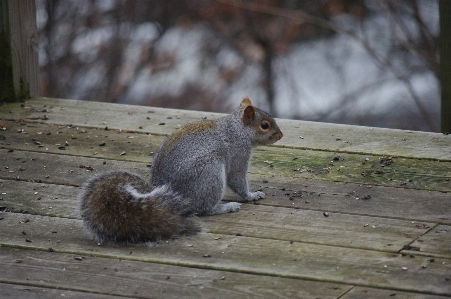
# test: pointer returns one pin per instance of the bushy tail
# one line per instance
(117, 207)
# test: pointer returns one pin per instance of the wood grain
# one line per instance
(260, 221)
(120, 277)
(350, 212)
(317, 136)
(242, 254)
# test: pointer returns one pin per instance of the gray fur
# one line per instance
(193, 166)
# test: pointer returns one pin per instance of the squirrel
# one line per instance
(189, 174)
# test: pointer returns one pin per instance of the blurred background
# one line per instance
(371, 63)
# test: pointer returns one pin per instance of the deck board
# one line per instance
(387, 193)
(319, 136)
(242, 254)
(294, 162)
(359, 292)
(260, 221)
(136, 279)
(24, 290)
(436, 241)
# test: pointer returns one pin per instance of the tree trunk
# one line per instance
(445, 64)
(19, 66)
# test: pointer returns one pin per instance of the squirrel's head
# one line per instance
(263, 124)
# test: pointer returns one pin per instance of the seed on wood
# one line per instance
(326, 214)
(206, 255)
(78, 258)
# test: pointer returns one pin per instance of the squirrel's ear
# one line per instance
(248, 115)
(245, 102)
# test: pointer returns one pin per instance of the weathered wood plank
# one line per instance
(242, 254)
(313, 227)
(408, 204)
(346, 230)
(36, 292)
(359, 292)
(436, 242)
(39, 198)
(294, 163)
(357, 168)
(148, 280)
(360, 168)
(79, 141)
(317, 136)
(61, 169)
(399, 203)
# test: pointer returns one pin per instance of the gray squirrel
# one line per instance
(189, 173)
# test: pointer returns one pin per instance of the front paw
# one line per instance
(256, 195)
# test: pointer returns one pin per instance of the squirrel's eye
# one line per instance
(264, 125)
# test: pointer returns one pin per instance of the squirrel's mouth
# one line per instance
(276, 136)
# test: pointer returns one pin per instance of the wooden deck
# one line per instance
(350, 212)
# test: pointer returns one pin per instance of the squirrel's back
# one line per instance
(117, 207)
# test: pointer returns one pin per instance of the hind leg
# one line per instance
(209, 188)
(201, 192)
(216, 207)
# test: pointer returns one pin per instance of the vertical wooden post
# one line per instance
(445, 64)
(19, 65)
